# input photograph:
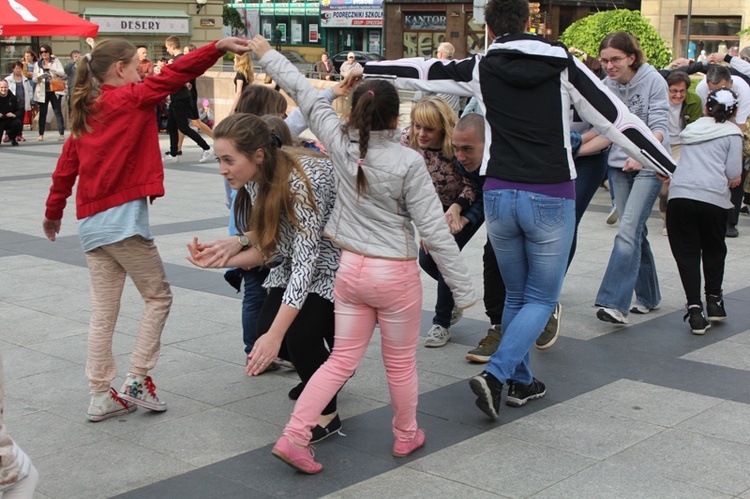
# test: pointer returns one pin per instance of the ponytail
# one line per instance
(375, 106)
(92, 68)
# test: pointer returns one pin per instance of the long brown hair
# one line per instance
(89, 77)
(375, 105)
(275, 199)
(261, 100)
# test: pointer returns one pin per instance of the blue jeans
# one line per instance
(252, 302)
(631, 264)
(444, 304)
(531, 235)
(591, 171)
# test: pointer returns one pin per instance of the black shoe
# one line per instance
(732, 231)
(295, 392)
(715, 308)
(14, 142)
(744, 210)
(698, 322)
(488, 389)
(519, 394)
(319, 433)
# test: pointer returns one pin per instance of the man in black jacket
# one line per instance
(10, 113)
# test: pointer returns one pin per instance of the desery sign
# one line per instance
(143, 25)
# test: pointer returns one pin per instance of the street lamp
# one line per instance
(201, 4)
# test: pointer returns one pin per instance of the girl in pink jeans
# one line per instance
(384, 190)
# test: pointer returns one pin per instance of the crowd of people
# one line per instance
(318, 279)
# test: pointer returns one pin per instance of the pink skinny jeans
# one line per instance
(366, 290)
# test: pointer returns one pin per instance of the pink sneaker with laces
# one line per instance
(141, 390)
(403, 449)
(299, 459)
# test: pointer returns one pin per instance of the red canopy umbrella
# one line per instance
(34, 18)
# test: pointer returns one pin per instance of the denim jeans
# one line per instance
(631, 265)
(444, 304)
(591, 171)
(252, 302)
(531, 235)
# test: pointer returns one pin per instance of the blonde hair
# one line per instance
(90, 74)
(244, 64)
(434, 112)
(275, 199)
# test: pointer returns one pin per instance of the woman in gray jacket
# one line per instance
(383, 191)
(631, 264)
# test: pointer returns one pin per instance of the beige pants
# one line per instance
(108, 266)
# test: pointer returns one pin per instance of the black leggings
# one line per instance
(696, 232)
(55, 100)
(306, 337)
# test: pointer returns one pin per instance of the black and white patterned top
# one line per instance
(309, 259)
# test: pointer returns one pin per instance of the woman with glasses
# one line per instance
(45, 69)
(631, 265)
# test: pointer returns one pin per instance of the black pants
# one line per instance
(737, 195)
(179, 119)
(11, 125)
(51, 97)
(307, 335)
(494, 287)
(696, 232)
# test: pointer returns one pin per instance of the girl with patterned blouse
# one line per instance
(285, 197)
(432, 123)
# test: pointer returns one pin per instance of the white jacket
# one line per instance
(56, 69)
(400, 194)
(26, 90)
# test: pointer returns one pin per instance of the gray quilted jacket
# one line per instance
(381, 223)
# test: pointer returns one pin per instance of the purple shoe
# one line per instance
(299, 459)
(403, 449)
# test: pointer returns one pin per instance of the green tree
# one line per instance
(586, 34)
(232, 18)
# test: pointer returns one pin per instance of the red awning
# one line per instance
(34, 18)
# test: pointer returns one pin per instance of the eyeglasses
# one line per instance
(42, 51)
(674, 91)
(614, 60)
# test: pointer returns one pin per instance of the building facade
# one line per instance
(713, 25)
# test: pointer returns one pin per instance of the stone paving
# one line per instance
(646, 410)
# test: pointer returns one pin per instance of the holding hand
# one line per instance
(212, 255)
(353, 78)
(715, 58)
(259, 45)
(734, 182)
(233, 44)
(632, 165)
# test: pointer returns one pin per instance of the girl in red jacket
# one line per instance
(114, 154)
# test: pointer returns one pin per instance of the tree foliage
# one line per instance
(586, 34)
(232, 18)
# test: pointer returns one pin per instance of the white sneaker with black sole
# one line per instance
(611, 315)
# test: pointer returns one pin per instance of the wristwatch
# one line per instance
(244, 242)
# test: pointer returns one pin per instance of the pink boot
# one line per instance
(403, 449)
(299, 459)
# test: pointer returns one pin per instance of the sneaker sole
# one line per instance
(114, 414)
(604, 316)
(484, 396)
(480, 359)
(435, 344)
(717, 318)
(701, 331)
(332, 432)
(549, 344)
(141, 403)
(401, 454)
(516, 402)
(286, 460)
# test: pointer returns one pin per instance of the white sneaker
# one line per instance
(642, 309)
(612, 217)
(437, 336)
(611, 315)
(168, 158)
(456, 315)
(105, 405)
(207, 154)
(141, 390)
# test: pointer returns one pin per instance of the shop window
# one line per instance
(423, 32)
(708, 34)
(475, 36)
